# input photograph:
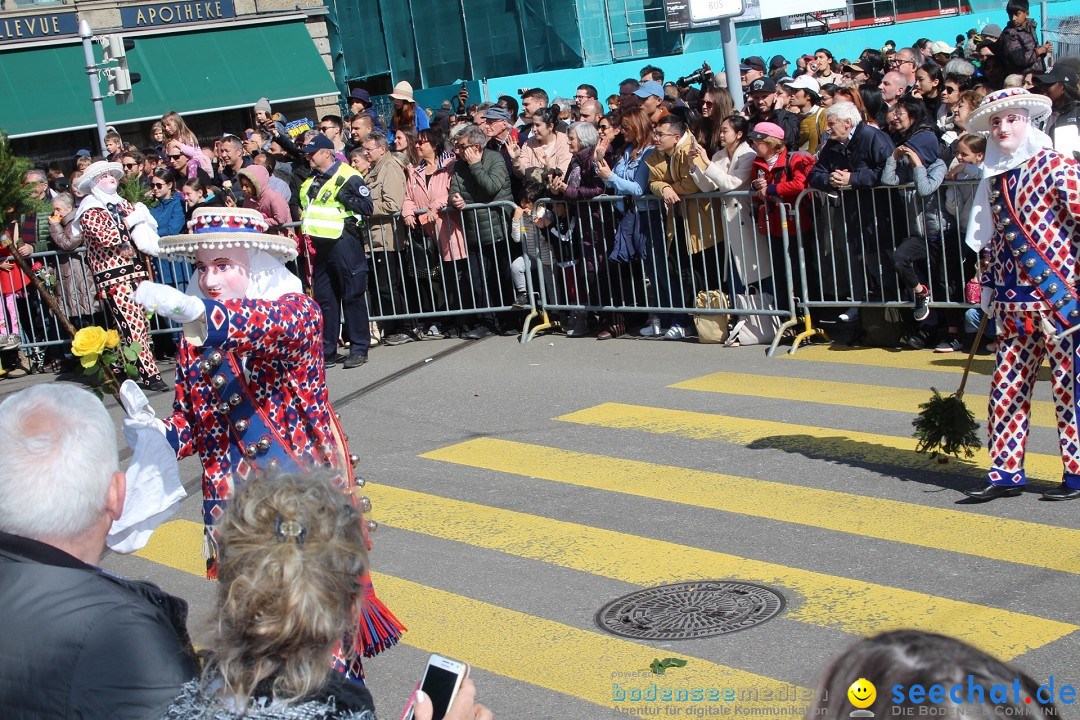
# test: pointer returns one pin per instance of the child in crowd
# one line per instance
(524, 230)
(970, 151)
(114, 147)
(13, 282)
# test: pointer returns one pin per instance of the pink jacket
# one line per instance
(433, 193)
(267, 200)
(197, 160)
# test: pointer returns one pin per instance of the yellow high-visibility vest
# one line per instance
(324, 216)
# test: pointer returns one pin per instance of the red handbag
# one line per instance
(973, 291)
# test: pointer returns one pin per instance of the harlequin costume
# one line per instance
(113, 260)
(1027, 213)
(251, 391)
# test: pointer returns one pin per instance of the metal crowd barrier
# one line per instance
(609, 256)
(707, 243)
(568, 265)
(456, 267)
(847, 239)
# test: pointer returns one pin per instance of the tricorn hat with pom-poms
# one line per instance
(223, 227)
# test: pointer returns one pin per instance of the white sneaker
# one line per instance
(652, 327)
(849, 315)
(675, 332)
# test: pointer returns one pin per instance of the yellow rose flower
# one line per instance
(112, 339)
(89, 360)
(88, 341)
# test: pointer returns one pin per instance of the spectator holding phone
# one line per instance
(464, 706)
(266, 119)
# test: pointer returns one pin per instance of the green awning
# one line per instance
(45, 90)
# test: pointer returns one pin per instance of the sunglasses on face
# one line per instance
(158, 185)
(176, 157)
(324, 128)
(130, 165)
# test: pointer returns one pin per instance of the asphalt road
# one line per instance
(520, 488)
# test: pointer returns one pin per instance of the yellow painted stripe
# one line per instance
(829, 601)
(177, 544)
(874, 397)
(901, 359)
(548, 654)
(938, 528)
(844, 446)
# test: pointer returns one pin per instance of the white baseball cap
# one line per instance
(805, 82)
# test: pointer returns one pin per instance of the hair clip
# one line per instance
(289, 528)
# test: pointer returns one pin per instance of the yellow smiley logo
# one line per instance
(862, 693)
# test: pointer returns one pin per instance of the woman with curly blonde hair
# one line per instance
(291, 554)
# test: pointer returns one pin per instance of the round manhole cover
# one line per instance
(685, 611)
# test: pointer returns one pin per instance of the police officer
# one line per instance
(333, 199)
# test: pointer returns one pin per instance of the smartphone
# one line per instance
(441, 682)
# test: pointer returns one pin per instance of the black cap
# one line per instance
(777, 62)
(754, 62)
(762, 85)
(1058, 74)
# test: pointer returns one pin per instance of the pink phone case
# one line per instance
(407, 712)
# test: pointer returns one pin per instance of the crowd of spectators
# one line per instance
(828, 120)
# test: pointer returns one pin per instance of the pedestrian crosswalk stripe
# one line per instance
(177, 544)
(844, 446)
(900, 359)
(853, 606)
(551, 655)
(874, 397)
(939, 528)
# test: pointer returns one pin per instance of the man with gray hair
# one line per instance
(480, 176)
(854, 156)
(78, 642)
(905, 63)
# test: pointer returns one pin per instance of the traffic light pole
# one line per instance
(731, 61)
(96, 98)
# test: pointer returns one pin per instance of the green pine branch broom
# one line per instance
(946, 426)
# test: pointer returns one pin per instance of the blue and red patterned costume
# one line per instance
(1034, 245)
(275, 348)
(281, 362)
